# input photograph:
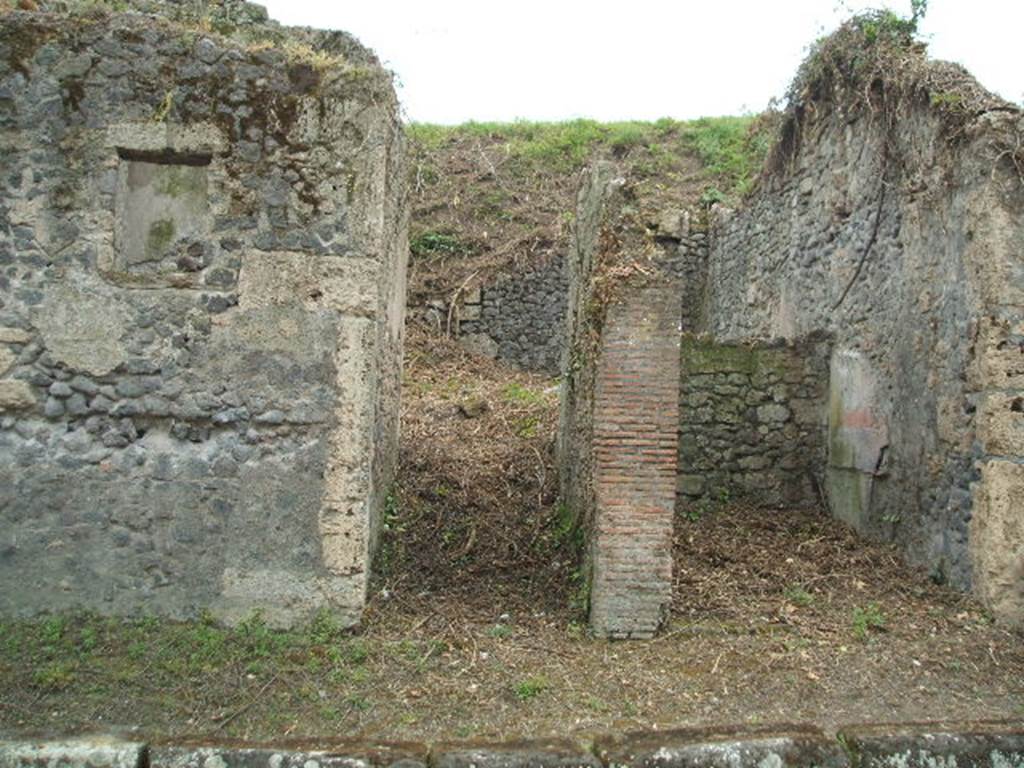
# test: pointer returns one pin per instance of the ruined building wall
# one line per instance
(620, 424)
(905, 243)
(693, 274)
(751, 415)
(519, 317)
(752, 421)
(575, 450)
(202, 246)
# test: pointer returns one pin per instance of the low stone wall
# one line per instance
(973, 745)
(752, 420)
(519, 318)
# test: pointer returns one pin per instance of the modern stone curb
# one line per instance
(980, 745)
(86, 752)
(779, 747)
(549, 754)
(995, 746)
(307, 755)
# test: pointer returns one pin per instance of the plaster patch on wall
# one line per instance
(344, 516)
(289, 593)
(784, 319)
(858, 433)
(858, 436)
(82, 327)
(285, 329)
(997, 538)
(196, 137)
(162, 219)
(345, 285)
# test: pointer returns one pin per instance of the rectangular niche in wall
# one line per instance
(162, 214)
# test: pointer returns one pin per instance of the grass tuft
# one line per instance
(531, 688)
(868, 619)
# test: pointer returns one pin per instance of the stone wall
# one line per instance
(202, 257)
(693, 274)
(884, 247)
(752, 421)
(520, 317)
(902, 237)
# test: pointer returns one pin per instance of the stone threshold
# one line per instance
(915, 745)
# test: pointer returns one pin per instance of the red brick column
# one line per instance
(636, 426)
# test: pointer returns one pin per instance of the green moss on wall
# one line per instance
(702, 356)
(159, 239)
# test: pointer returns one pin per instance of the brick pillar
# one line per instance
(636, 424)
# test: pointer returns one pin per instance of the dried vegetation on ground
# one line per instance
(474, 521)
(475, 515)
(780, 615)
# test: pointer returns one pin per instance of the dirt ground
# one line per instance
(475, 516)
(865, 640)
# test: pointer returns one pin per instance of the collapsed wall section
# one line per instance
(897, 229)
(203, 248)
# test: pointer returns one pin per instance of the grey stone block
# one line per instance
(971, 746)
(551, 754)
(341, 755)
(773, 413)
(788, 747)
(86, 752)
(60, 389)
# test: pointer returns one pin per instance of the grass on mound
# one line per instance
(493, 198)
(732, 148)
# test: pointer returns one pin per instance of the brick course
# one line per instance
(635, 444)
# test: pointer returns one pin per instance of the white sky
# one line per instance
(631, 59)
